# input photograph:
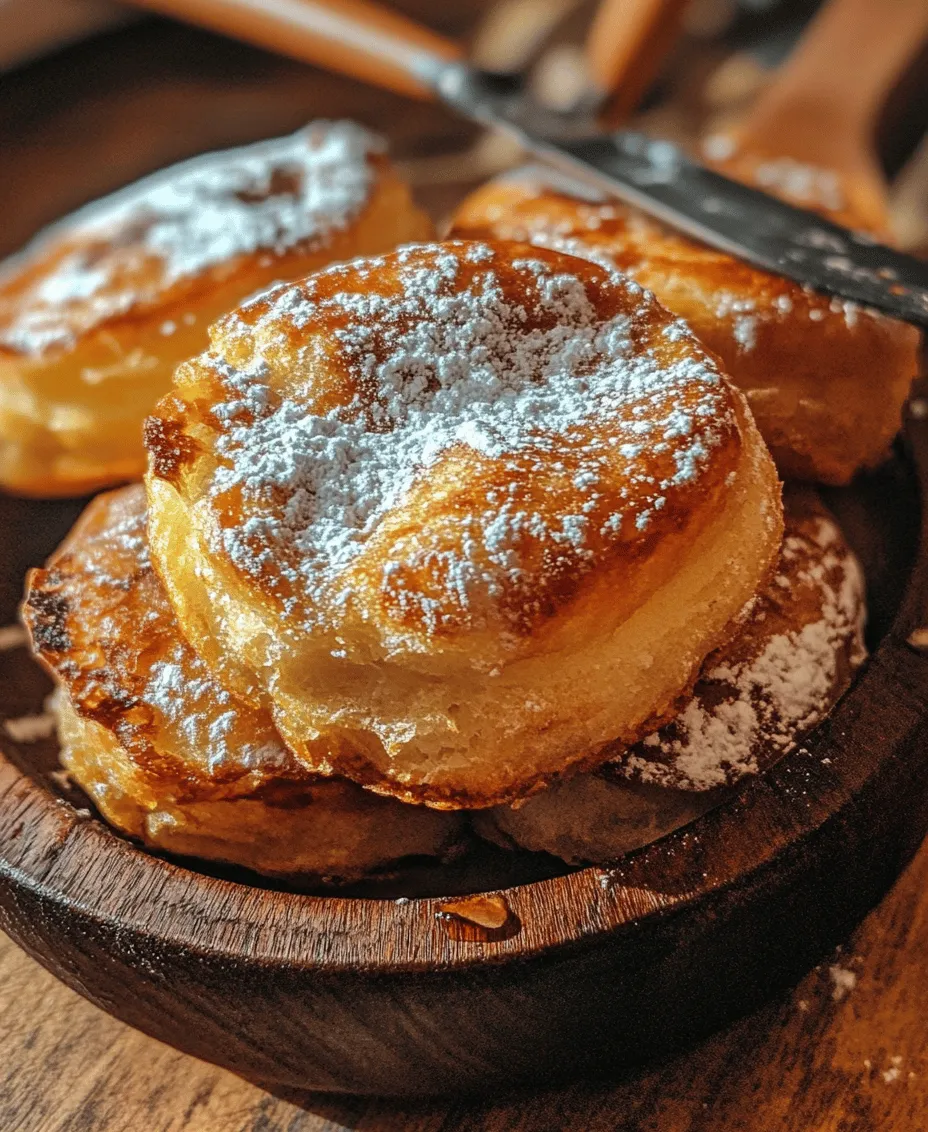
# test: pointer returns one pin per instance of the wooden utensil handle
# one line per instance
(625, 46)
(355, 37)
(838, 76)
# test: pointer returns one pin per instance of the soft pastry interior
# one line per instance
(165, 752)
(755, 698)
(97, 313)
(462, 515)
(825, 379)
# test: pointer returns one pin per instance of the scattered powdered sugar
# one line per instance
(275, 195)
(741, 313)
(763, 701)
(745, 332)
(167, 697)
(843, 979)
(450, 360)
(213, 725)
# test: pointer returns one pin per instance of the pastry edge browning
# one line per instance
(321, 832)
(100, 624)
(598, 817)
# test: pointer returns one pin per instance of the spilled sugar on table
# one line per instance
(843, 1050)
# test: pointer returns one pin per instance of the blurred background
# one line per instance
(94, 94)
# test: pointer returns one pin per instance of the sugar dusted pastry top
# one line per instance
(826, 379)
(445, 441)
(463, 513)
(188, 227)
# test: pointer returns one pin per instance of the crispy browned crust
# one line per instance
(421, 601)
(165, 752)
(826, 380)
(182, 435)
(86, 611)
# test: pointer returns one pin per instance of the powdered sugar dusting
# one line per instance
(454, 364)
(763, 700)
(131, 247)
(185, 698)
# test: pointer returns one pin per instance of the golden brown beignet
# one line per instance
(166, 754)
(754, 700)
(464, 513)
(96, 314)
(825, 379)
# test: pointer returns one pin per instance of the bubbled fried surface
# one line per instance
(97, 312)
(825, 379)
(166, 753)
(416, 502)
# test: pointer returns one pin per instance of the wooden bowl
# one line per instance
(585, 971)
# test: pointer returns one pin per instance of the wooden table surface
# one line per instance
(846, 1051)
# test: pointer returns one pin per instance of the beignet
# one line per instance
(97, 312)
(464, 513)
(166, 753)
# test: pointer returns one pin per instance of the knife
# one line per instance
(366, 41)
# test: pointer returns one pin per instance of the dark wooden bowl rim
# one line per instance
(77, 863)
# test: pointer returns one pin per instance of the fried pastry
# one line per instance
(96, 314)
(464, 513)
(167, 754)
(825, 379)
(753, 702)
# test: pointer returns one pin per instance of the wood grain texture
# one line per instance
(594, 970)
(805, 1061)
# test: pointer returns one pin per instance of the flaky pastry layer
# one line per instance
(463, 514)
(166, 753)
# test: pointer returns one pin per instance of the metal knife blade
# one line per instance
(659, 178)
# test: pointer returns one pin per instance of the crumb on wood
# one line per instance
(844, 980)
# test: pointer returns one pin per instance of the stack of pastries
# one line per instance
(469, 538)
